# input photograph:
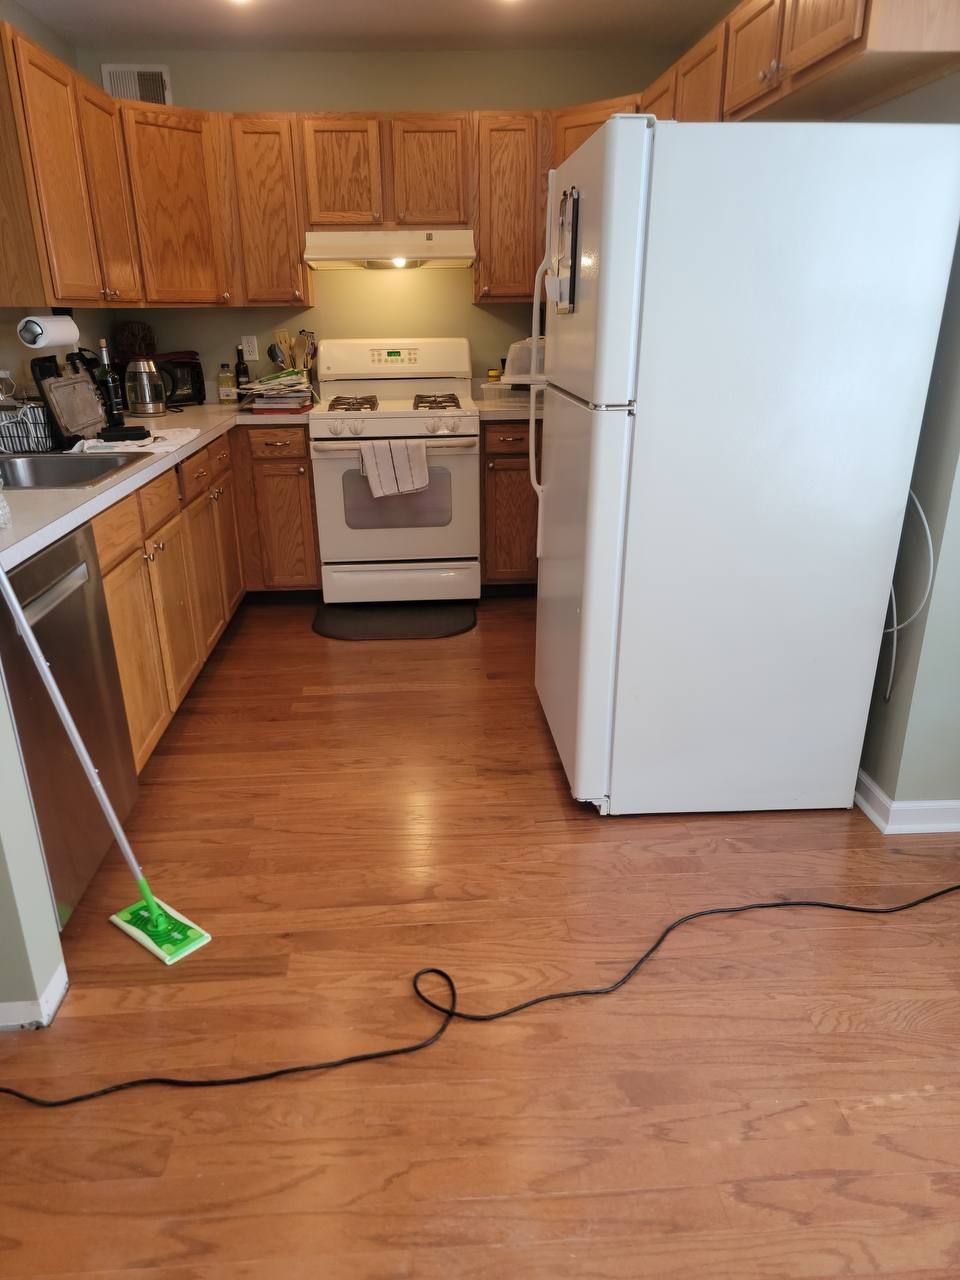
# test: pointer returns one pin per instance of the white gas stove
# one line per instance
(409, 546)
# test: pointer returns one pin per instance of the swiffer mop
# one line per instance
(155, 925)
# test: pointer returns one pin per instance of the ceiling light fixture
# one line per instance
(399, 262)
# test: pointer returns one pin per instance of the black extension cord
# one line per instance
(450, 1011)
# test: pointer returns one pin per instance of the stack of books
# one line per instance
(285, 392)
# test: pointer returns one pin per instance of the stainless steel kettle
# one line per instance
(146, 396)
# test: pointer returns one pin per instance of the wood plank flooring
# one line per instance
(776, 1096)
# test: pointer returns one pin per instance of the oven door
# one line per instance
(441, 522)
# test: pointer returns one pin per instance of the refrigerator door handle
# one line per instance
(536, 375)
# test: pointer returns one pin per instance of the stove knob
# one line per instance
(356, 428)
(336, 428)
(454, 424)
(433, 426)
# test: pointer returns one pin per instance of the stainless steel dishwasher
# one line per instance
(62, 595)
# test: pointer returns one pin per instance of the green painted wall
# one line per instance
(912, 745)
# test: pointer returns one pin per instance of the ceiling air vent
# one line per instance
(149, 83)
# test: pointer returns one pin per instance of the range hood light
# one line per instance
(392, 248)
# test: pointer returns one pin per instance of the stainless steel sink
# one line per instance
(61, 470)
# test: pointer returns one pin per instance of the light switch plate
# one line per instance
(251, 348)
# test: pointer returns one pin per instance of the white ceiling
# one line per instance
(376, 24)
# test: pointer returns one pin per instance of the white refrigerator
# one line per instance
(740, 326)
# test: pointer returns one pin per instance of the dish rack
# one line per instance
(25, 429)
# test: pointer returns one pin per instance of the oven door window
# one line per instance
(431, 508)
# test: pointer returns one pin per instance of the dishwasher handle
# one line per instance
(56, 593)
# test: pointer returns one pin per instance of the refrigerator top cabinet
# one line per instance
(595, 228)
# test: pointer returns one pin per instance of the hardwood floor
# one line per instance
(777, 1096)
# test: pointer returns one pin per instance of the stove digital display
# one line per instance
(393, 355)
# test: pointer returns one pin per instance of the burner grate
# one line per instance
(353, 404)
(445, 401)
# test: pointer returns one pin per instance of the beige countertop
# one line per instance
(40, 516)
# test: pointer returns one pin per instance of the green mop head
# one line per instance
(171, 939)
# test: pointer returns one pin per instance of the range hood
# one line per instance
(400, 249)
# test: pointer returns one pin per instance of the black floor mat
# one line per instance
(405, 620)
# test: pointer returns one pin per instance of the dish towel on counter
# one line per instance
(394, 466)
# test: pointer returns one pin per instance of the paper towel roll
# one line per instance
(48, 331)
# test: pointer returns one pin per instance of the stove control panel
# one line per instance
(403, 356)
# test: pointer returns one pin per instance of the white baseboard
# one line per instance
(905, 817)
(36, 1013)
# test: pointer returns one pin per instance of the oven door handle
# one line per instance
(466, 444)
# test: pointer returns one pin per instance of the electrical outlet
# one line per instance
(251, 348)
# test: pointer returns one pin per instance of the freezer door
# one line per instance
(585, 464)
(595, 228)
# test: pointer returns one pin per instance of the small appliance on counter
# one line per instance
(182, 375)
(144, 388)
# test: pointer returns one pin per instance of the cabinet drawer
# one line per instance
(159, 501)
(278, 442)
(506, 437)
(117, 532)
(195, 474)
(219, 453)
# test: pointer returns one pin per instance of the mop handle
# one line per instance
(73, 733)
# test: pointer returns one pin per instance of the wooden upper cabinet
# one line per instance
(507, 206)
(50, 111)
(753, 50)
(108, 183)
(660, 99)
(342, 170)
(430, 169)
(271, 234)
(575, 125)
(700, 78)
(812, 29)
(177, 198)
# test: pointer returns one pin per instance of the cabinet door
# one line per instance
(53, 132)
(660, 99)
(136, 640)
(429, 169)
(168, 559)
(203, 563)
(228, 544)
(270, 230)
(288, 538)
(173, 175)
(510, 521)
(700, 78)
(108, 182)
(812, 29)
(574, 126)
(507, 206)
(753, 47)
(341, 169)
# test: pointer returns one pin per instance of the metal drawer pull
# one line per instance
(301, 471)
(509, 439)
(278, 444)
(198, 475)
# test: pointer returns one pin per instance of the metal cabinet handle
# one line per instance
(297, 295)
(148, 555)
(198, 475)
(489, 466)
(277, 444)
(160, 546)
(224, 297)
(509, 439)
(301, 471)
(221, 456)
(214, 495)
(762, 75)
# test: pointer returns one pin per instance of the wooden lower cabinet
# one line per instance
(136, 641)
(203, 561)
(285, 518)
(509, 506)
(228, 543)
(171, 580)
